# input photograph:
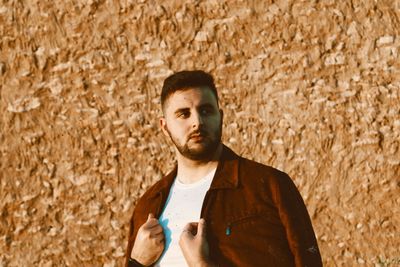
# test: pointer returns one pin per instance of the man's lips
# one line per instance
(197, 136)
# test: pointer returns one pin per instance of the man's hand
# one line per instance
(194, 244)
(149, 242)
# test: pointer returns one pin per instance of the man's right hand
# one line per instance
(149, 242)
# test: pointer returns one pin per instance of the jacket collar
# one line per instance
(226, 175)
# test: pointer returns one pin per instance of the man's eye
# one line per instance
(184, 115)
(206, 111)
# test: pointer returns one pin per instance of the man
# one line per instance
(216, 208)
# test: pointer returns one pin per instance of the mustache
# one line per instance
(198, 133)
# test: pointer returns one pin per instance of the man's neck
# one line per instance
(191, 171)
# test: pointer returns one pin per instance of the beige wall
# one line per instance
(309, 87)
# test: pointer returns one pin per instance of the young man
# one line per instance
(216, 208)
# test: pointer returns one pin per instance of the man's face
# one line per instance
(193, 121)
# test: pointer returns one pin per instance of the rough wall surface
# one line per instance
(310, 87)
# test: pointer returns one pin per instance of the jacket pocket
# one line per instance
(255, 223)
(254, 237)
(240, 223)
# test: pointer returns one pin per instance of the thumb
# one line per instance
(151, 216)
(201, 228)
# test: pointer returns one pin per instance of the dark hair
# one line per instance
(186, 79)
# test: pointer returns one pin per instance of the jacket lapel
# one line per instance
(227, 173)
(159, 194)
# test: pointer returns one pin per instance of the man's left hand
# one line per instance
(194, 244)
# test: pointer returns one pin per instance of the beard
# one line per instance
(199, 151)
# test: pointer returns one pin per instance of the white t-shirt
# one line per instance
(183, 205)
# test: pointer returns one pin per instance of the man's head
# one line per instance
(186, 79)
(192, 118)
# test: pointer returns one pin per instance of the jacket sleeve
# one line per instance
(294, 216)
(133, 263)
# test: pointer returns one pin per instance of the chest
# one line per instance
(239, 212)
(243, 225)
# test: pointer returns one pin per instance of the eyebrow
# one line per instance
(181, 110)
(205, 105)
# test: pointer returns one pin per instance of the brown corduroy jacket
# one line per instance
(254, 214)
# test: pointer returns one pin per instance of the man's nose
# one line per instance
(197, 120)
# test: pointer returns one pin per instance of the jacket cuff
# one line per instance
(134, 263)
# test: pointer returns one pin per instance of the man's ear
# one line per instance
(163, 126)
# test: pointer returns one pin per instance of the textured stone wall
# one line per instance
(310, 87)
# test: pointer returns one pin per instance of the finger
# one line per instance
(150, 223)
(159, 238)
(150, 216)
(156, 230)
(153, 222)
(190, 228)
(153, 235)
(186, 235)
(201, 228)
(187, 227)
(193, 227)
(187, 230)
